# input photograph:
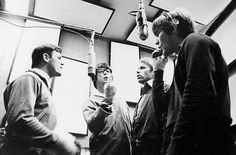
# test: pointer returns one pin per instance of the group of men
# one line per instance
(189, 117)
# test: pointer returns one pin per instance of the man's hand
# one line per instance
(67, 145)
(110, 91)
(159, 63)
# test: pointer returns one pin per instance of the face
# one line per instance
(104, 76)
(55, 64)
(143, 73)
(167, 43)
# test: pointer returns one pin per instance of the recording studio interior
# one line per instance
(95, 31)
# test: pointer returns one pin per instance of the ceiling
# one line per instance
(112, 18)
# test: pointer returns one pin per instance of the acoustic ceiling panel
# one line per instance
(203, 11)
(17, 7)
(74, 13)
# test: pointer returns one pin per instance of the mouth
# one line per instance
(139, 77)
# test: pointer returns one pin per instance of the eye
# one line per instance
(142, 67)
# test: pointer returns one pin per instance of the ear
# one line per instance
(46, 57)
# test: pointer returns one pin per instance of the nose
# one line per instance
(157, 42)
(137, 71)
(62, 61)
(105, 72)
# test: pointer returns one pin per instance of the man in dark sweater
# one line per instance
(198, 117)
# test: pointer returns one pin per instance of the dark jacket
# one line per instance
(202, 118)
(147, 125)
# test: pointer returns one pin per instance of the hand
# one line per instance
(67, 144)
(159, 63)
(109, 90)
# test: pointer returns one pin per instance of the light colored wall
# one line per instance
(9, 40)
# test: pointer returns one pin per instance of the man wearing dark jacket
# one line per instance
(198, 122)
(147, 123)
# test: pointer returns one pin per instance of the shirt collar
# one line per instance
(41, 73)
(97, 93)
(150, 82)
(146, 87)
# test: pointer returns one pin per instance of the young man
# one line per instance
(30, 111)
(147, 123)
(107, 117)
(198, 117)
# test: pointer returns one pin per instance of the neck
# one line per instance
(43, 68)
(100, 88)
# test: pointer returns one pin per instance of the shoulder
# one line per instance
(92, 101)
(27, 78)
(199, 44)
(198, 39)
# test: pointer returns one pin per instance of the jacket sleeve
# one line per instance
(159, 91)
(20, 113)
(95, 115)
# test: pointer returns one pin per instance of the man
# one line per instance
(147, 123)
(199, 109)
(30, 111)
(107, 117)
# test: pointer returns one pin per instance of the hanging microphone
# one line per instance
(91, 57)
(141, 20)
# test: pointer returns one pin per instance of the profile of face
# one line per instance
(167, 43)
(104, 75)
(55, 64)
(144, 73)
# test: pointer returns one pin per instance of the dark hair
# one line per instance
(37, 54)
(177, 19)
(99, 66)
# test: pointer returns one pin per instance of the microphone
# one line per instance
(141, 20)
(91, 57)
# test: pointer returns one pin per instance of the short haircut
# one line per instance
(147, 61)
(179, 19)
(37, 54)
(99, 66)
